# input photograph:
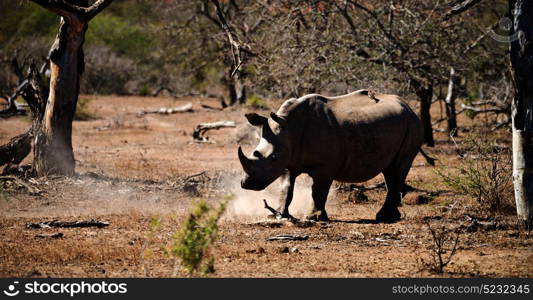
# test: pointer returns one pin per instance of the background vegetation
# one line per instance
(137, 46)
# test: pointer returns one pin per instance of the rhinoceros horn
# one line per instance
(245, 161)
(281, 121)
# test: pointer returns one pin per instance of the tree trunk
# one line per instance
(425, 94)
(53, 143)
(450, 105)
(522, 108)
(236, 90)
(53, 140)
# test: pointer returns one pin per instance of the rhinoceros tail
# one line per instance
(428, 158)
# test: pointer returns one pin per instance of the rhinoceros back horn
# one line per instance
(245, 162)
(281, 121)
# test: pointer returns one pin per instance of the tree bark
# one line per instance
(53, 152)
(522, 108)
(236, 91)
(450, 105)
(425, 94)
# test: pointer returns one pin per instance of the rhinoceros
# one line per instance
(349, 138)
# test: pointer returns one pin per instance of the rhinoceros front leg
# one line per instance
(320, 195)
(287, 191)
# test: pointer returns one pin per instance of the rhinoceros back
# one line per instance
(355, 137)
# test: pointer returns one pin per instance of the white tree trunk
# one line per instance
(450, 104)
(522, 108)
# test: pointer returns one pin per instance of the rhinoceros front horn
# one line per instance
(245, 162)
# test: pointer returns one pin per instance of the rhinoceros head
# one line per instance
(271, 156)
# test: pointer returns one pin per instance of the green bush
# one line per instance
(256, 101)
(82, 114)
(123, 38)
(25, 20)
(484, 174)
(145, 91)
(193, 240)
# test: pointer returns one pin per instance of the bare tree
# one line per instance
(521, 54)
(52, 128)
(234, 33)
(451, 95)
(412, 41)
(522, 108)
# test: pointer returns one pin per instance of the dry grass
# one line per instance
(148, 162)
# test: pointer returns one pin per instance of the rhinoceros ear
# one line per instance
(281, 121)
(255, 119)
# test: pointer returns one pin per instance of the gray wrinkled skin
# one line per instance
(350, 138)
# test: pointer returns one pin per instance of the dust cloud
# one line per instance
(246, 203)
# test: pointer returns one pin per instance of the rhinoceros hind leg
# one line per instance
(395, 176)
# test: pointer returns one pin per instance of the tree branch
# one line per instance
(96, 8)
(74, 12)
(62, 8)
(232, 39)
(386, 32)
(460, 6)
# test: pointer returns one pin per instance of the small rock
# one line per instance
(295, 250)
(423, 199)
(258, 250)
(284, 249)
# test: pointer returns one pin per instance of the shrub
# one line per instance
(82, 114)
(106, 72)
(484, 174)
(145, 91)
(125, 39)
(256, 101)
(193, 240)
(443, 246)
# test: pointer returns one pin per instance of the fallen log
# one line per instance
(167, 111)
(288, 237)
(73, 224)
(201, 129)
(17, 149)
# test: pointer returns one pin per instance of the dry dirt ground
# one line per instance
(135, 169)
